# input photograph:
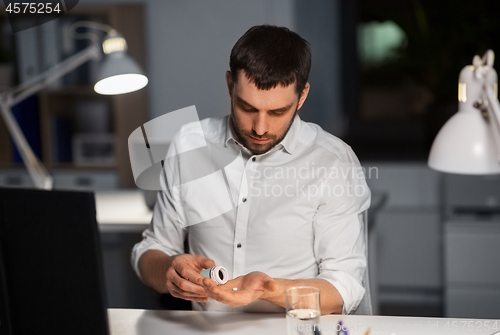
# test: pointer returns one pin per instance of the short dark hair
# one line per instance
(271, 55)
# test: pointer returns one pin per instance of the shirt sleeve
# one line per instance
(339, 245)
(165, 232)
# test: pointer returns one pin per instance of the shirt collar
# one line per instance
(230, 135)
(292, 137)
(289, 143)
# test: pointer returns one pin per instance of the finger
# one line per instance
(210, 288)
(187, 272)
(205, 263)
(208, 284)
(220, 294)
(187, 286)
(215, 292)
(201, 263)
(187, 294)
(180, 295)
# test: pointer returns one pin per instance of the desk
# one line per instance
(122, 216)
(145, 322)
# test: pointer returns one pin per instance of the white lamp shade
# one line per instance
(465, 145)
(119, 74)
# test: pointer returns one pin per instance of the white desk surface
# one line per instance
(122, 211)
(146, 322)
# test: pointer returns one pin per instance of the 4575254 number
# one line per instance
(471, 325)
(33, 8)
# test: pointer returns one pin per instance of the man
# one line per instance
(298, 218)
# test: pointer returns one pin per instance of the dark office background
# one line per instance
(401, 61)
(384, 79)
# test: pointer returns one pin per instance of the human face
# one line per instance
(262, 118)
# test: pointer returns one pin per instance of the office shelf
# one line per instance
(126, 112)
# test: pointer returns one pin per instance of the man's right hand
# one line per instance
(168, 274)
(183, 273)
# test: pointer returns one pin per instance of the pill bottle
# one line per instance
(218, 274)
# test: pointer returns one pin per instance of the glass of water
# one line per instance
(302, 310)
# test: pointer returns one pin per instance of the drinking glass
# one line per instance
(302, 310)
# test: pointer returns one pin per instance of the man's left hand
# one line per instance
(249, 287)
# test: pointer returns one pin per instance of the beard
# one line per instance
(244, 137)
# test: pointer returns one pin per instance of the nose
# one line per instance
(260, 124)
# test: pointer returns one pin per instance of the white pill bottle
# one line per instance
(218, 274)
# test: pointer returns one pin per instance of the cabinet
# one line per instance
(472, 269)
(471, 246)
(126, 112)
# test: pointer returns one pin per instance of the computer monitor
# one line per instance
(51, 276)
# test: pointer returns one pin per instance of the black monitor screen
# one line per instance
(51, 278)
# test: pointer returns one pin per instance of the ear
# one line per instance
(303, 95)
(229, 81)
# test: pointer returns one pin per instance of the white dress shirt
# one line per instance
(295, 212)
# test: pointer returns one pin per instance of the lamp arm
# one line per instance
(494, 113)
(36, 169)
(41, 81)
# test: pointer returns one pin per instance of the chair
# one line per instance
(369, 303)
(365, 306)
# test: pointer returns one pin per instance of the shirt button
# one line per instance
(253, 159)
(239, 245)
(244, 199)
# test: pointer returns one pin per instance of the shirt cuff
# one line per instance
(350, 289)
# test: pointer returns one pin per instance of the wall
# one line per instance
(318, 22)
(189, 43)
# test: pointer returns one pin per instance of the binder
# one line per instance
(26, 42)
(51, 50)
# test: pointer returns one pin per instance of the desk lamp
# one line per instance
(118, 74)
(469, 142)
